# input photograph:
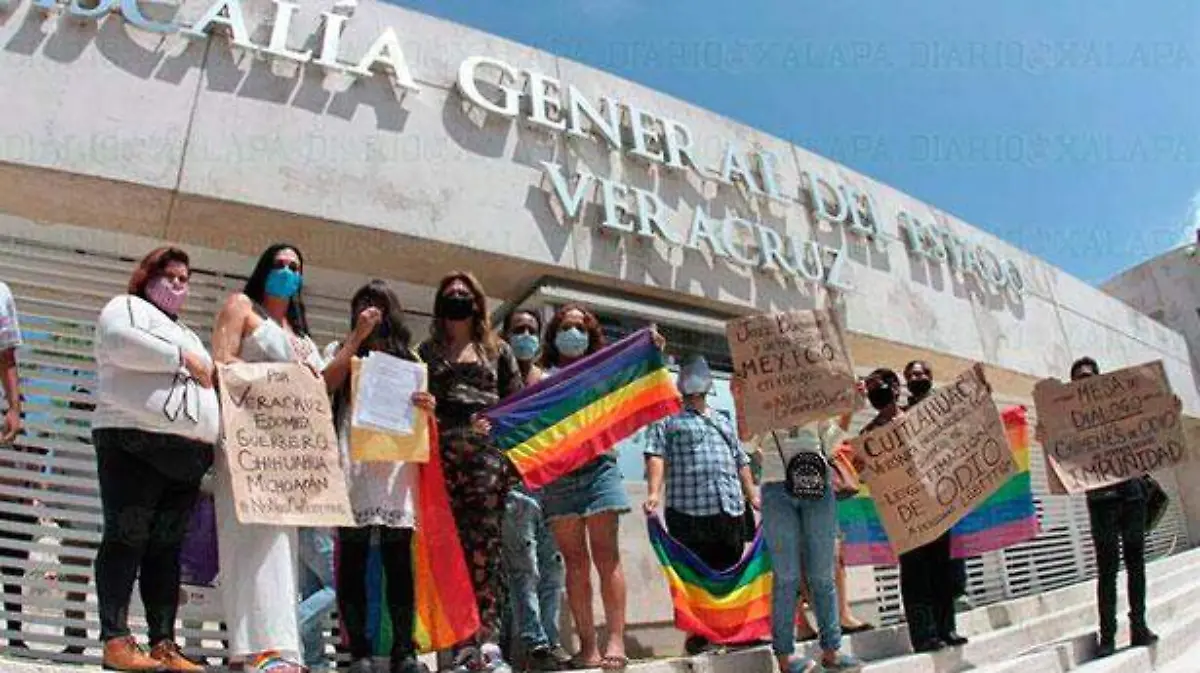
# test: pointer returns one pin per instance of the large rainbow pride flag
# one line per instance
(1004, 519)
(556, 426)
(446, 610)
(724, 606)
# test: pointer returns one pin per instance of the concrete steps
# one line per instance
(1053, 632)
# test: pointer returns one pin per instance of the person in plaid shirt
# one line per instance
(707, 476)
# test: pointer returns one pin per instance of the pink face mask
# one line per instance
(163, 294)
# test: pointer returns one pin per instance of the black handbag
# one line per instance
(1156, 502)
(805, 474)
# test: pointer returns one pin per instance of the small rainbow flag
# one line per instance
(1004, 519)
(556, 426)
(446, 610)
(723, 606)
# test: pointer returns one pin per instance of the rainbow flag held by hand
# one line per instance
(558, 425)
(1008, 516)
(446, 611)
(1004, 519)
(724, 606)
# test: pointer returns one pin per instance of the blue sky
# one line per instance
(1070, 128)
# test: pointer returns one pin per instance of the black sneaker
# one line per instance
(1142, 637)
(930, 645)
(954, 640)
(405, 663)
(695, 645)
(1105, 648)
(561, 656)
(541, 659)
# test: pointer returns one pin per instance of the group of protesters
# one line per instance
(156, 433)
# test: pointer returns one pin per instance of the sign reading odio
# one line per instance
(280, 446)
(930, 466)
(1103, 430)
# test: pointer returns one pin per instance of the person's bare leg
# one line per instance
(606, 554)
(571, 536)
(849, 621)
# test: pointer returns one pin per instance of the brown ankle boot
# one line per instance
(170, 658)
(123, 654)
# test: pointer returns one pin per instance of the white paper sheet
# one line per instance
(385, 388)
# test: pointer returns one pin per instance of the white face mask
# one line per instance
(695, 385)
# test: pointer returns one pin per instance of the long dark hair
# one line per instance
(481, 328)
(591, 325)
(256, 286)
(398, 339)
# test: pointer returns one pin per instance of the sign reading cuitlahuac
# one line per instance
(280, 446)
(933, 464)
(1105, 429)
(793, 367)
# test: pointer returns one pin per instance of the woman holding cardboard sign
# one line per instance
(265, 322)
(382, 494)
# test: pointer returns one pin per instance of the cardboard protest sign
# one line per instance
(930, 466)
(280, 446)
(1106, 429)
(794, 368)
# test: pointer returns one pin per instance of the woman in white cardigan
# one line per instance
(154, 427)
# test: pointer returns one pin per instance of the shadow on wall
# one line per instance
(302, 87)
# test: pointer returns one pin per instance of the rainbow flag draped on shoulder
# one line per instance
(724, 606)
(1006, 518)
(446, 611)
(554, 427)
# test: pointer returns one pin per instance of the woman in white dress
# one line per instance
(382, 494)
(265, 322)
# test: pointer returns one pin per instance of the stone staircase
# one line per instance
(1053, 632)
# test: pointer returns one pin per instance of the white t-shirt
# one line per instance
(10, 328)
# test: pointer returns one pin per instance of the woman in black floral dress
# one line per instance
(470, 369)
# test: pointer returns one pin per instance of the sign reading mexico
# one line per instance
(1105, 429)
(931, 466)
(794, 368)
(280, 446)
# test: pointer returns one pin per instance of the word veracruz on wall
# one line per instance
(621, 126)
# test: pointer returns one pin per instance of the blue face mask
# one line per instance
(525, 346)
(283, 283)
(571, 342)
(694, 384)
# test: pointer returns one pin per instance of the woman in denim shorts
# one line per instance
(583, 509)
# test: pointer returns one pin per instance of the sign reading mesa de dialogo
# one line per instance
(620, 126)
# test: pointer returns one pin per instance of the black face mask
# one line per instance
(920, 387)
(457, 307)
(881, 397)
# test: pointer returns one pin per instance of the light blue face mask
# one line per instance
(694, 384)
(525, 346)
(283, 283)
(571, 342)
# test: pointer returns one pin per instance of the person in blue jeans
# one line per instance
(801, 535)
(537, 575)
(536, 582)
(317, 593)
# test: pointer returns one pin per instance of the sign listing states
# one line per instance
(280, 446)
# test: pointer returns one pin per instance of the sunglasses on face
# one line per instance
(293, 265)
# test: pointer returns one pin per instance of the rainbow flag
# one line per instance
(445, 598)
(723, 606)
(1008, 516)
(556, 426)
(1004, 519)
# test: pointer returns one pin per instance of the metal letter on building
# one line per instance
(469, 87)
(387, 53)
(226, 13)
